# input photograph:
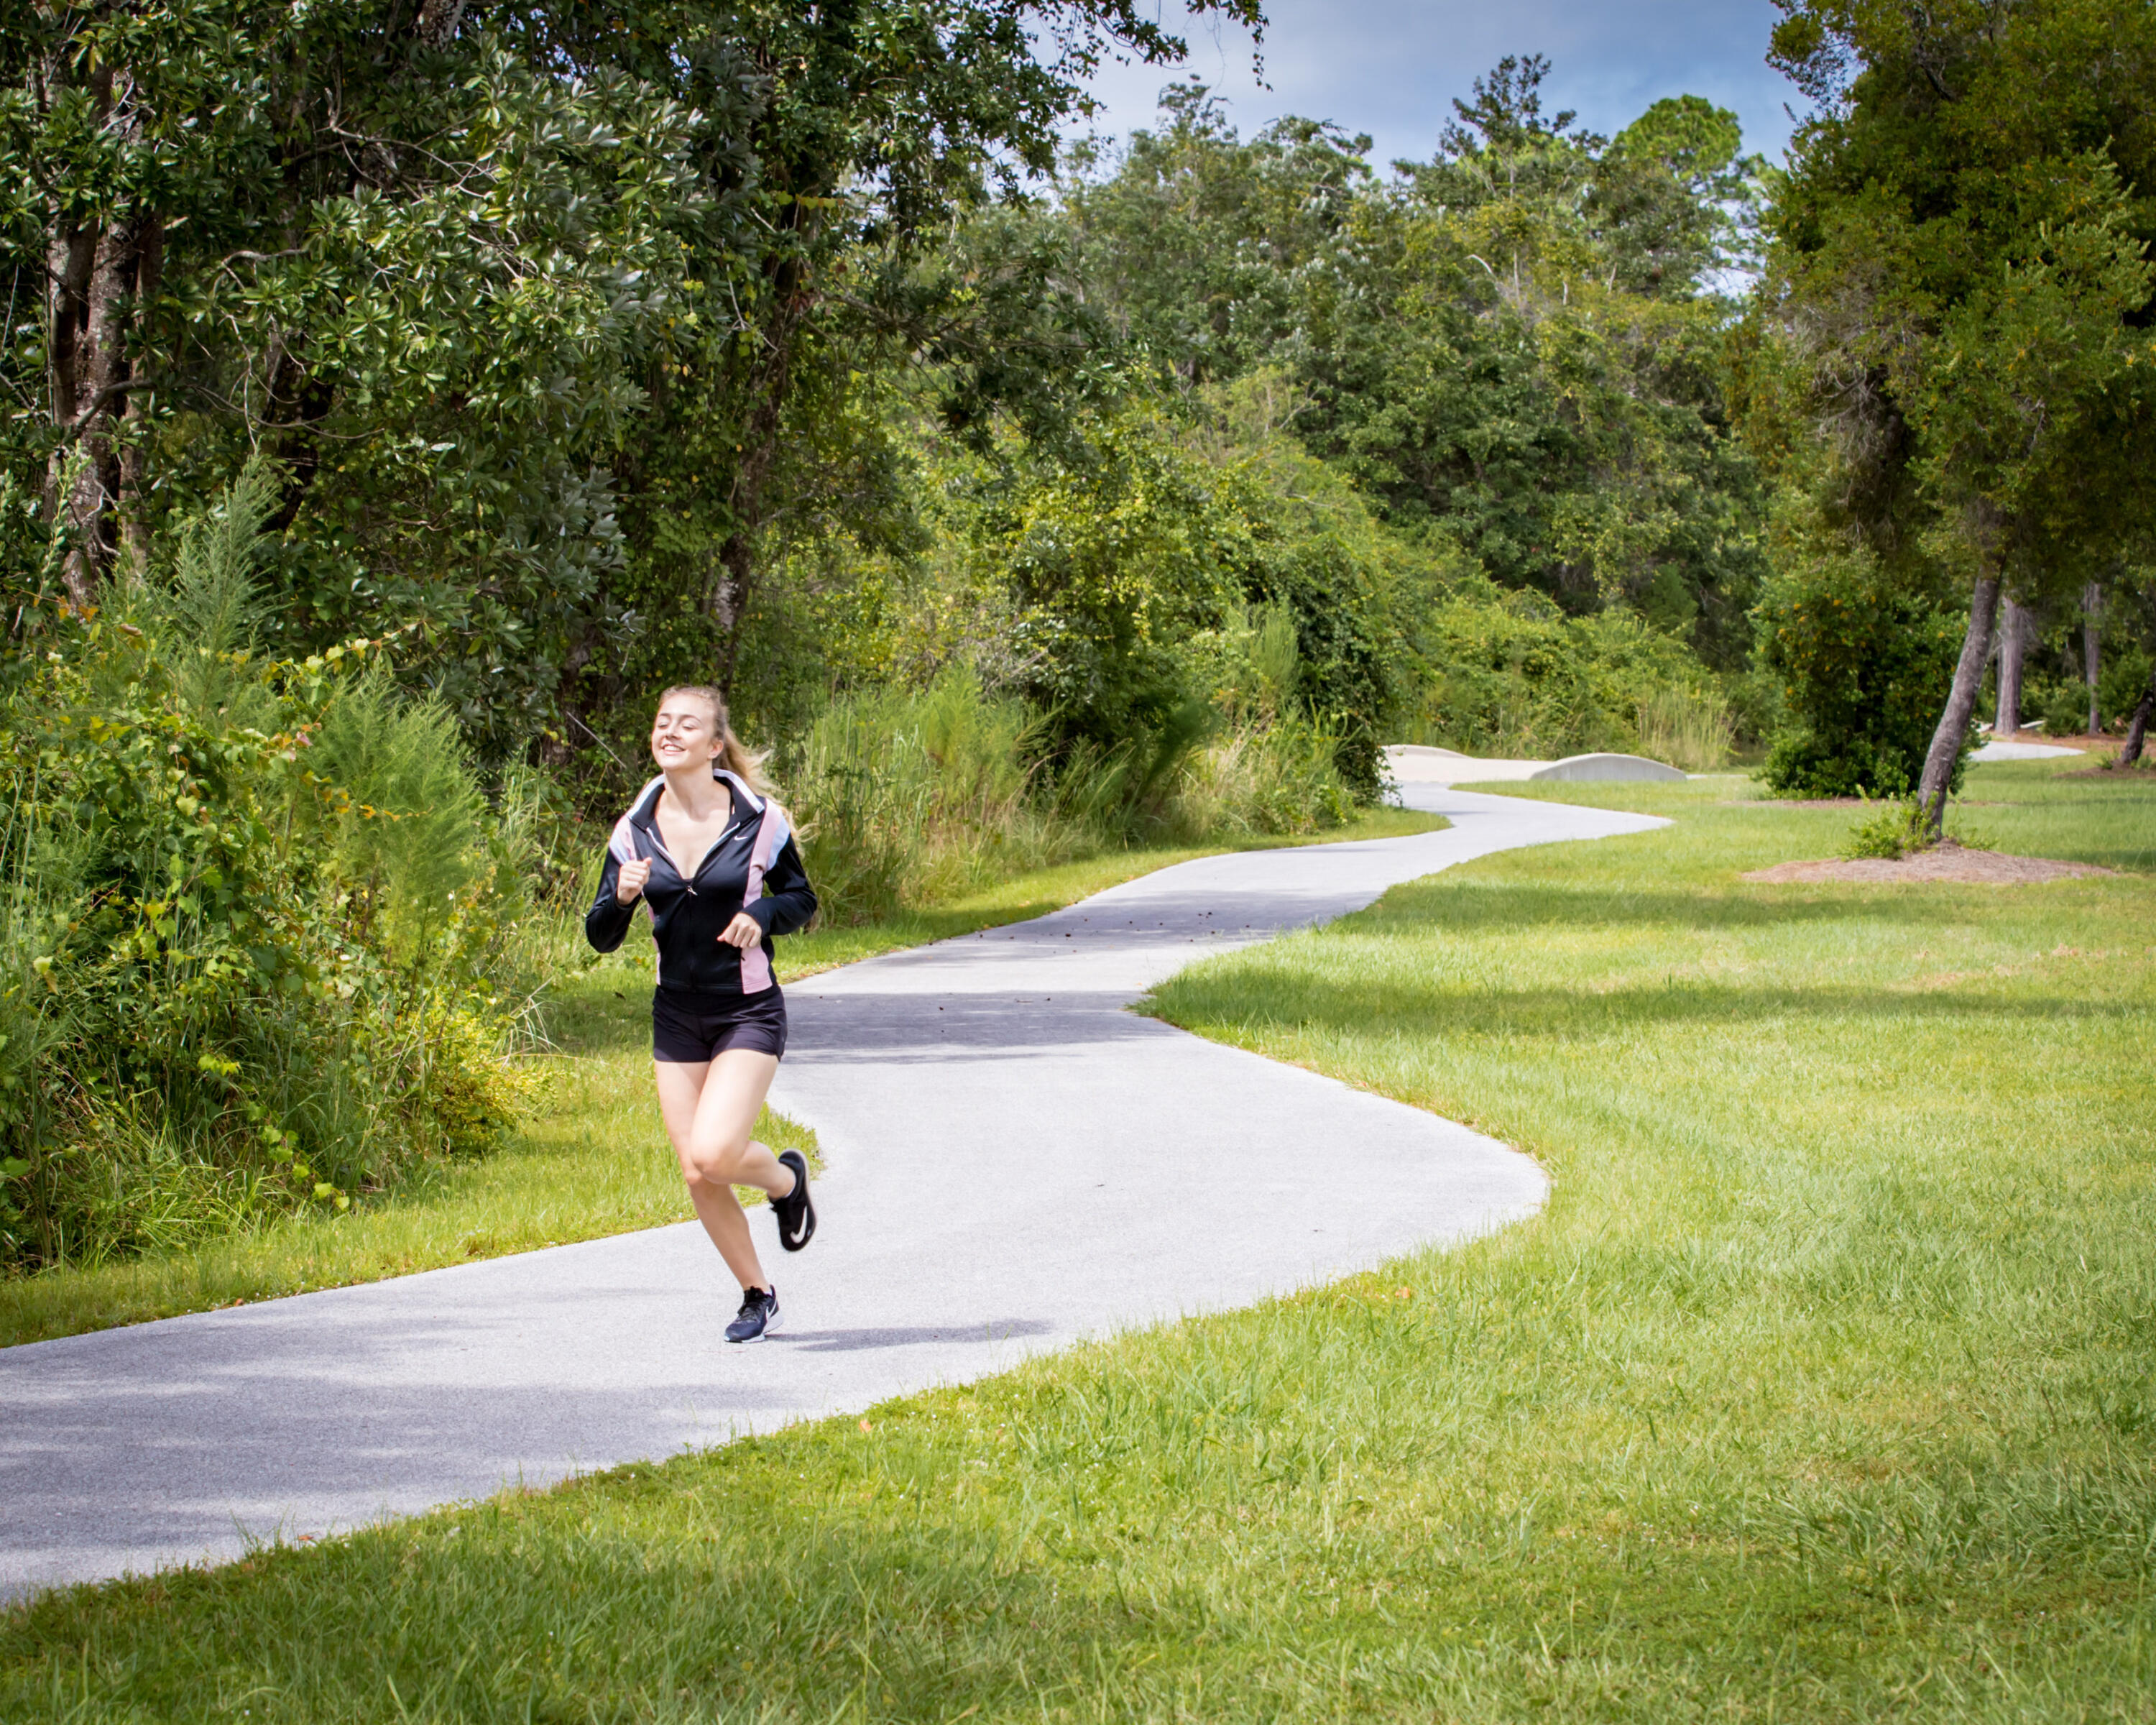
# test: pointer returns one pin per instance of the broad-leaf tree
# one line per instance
(536, 306)
(1959, 259)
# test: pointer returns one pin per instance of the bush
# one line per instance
(1867, 666)
(906, 799)
(228, 985)
(2057, 693)
(1283, 779)
(1899, 828)
(1510, 674)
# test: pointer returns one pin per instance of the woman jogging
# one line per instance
(708, 848)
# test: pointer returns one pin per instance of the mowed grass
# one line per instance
(594, 1159)
(1825, 1389)
(2067, 809)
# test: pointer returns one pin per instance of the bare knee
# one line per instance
(714, 1164)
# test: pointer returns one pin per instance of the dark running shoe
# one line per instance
(758, 1316)
(796, 1212)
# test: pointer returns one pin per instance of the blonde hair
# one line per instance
(735, 755)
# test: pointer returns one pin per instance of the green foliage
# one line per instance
(1960, 288)
(409, 841)
(224, 991)
(903, 799)
(1516, 343)
(1192, 240)
(910, 800)
(1110, 566)
(1899, 828)
(1282, 778)
(1510, 674)
(1691, 728)
(1866, 664)
(547, 315)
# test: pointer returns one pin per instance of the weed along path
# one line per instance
(1016, 1161)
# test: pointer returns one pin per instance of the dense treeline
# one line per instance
(398, 396)
(603, 353)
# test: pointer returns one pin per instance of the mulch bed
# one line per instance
(1944, 862)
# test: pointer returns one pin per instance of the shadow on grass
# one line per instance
(1367, 1008)
(1444, 904)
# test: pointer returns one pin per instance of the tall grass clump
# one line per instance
(1689, 728)
(907, 798)
(254, 920)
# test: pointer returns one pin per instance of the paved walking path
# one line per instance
(1015, 1161)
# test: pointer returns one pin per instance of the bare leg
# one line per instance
(709, 1110)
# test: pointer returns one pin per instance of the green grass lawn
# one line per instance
(2053, 809)
(593, 1161)
(1825, 1389)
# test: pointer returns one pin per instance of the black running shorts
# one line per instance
(688, 1029)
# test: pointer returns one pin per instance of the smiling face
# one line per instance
(686, 732)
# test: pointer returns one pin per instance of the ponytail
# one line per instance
(734, 755)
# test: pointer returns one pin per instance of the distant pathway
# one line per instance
(1015, 1162)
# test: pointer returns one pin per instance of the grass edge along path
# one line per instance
(1824, 1389)
(591, 1161)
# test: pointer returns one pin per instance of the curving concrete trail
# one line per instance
(1015, 1161)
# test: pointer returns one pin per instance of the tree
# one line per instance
(1514, 344)
(523, 296)
(875, 125)
(1519, 342)
(374, 245)
(1958, 256)
(1192, 239)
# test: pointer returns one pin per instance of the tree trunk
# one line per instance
(2013, 642)
(1961, 703)
(2137, 728)
(2092, 643)
(100, 268)
(771, 377)
(133, 481)
(736, 570)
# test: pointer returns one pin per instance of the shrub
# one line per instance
(1509, 673)
(1282, 778)
(228, 985)
(1897, 830)
(905, 799)
(1866, 666)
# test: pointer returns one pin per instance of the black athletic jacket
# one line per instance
(755, 866)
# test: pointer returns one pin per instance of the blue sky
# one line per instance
(1391, 67)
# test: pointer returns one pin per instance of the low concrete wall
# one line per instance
(1605, 768)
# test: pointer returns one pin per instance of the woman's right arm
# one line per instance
(607, 923)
